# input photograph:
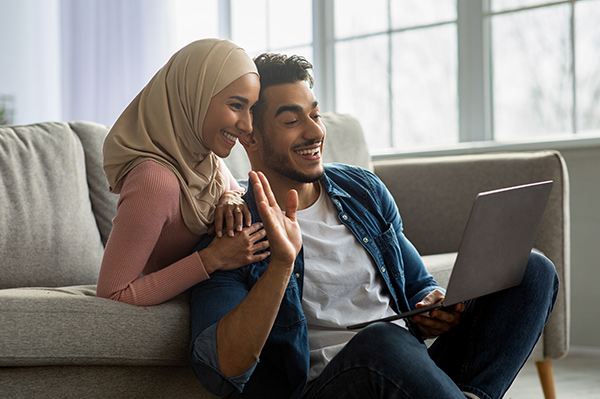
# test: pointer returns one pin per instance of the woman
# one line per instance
(162, 156)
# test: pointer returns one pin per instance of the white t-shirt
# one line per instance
(341, 283)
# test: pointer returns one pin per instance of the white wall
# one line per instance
(584, 173)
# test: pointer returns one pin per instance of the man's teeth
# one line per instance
(308, 152)
(229, 137)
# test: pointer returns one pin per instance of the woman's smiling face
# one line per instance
(229, 114)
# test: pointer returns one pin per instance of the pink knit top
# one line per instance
(148, 258)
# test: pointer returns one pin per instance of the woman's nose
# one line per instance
(245, 122)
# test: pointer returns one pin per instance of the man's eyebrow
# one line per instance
(240, 98)
(293, 108)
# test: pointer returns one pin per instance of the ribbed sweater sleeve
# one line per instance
(148, 258)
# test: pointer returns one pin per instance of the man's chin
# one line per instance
(314, 178)
(304, 177)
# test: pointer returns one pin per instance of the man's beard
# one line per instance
(279, 164)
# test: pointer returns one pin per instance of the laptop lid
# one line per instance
(495, 246)
(497, 240)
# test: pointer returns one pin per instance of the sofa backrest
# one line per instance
(104, 203)
(49, 232)
(55, 207)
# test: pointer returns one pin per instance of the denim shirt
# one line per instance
(367, 208)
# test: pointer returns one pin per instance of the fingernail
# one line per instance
(219, 234)
(231, 234)
(239, 228)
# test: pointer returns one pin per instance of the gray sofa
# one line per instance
(58, 340)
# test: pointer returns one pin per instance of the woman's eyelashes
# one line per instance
(236, 106)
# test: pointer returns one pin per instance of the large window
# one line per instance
(432, 73)
(397, 69)
(546, 68)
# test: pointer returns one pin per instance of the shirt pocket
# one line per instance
(388, 245)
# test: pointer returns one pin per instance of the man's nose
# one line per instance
(314, 130)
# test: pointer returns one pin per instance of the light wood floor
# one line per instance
(577, 376)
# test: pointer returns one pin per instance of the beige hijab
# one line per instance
(164, 124)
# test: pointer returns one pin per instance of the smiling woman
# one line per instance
(161, 156)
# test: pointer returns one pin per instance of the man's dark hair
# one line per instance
(277, 69)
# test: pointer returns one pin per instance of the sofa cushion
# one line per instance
(71, 326)
(48, 233)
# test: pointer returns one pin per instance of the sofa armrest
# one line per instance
(435, 195)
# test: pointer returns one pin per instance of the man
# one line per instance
(277, 328)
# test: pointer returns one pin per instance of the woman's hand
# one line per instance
(439, 321)
(230, 212)
(228, 253)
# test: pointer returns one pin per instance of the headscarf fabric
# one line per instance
(164, 124)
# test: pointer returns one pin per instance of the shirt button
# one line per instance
(383, 269)
(297, 275)
(365, 240)
(345, 217)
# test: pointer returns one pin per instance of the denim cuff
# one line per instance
(205, 362)
(418, 297)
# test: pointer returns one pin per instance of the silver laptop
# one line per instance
(495, 247)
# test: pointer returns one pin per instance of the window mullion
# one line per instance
(324, 53)
(225, 17)
(474, 73)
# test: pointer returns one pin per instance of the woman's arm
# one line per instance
(141, 264)
(149, 256)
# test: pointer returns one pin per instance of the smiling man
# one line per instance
(338, 256)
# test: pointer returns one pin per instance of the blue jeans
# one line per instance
(482, 355)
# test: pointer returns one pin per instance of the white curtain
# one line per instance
(110, 50)
(30, 60)
(65, 60)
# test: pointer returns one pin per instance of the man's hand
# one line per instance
(439, 321)
(283, 230)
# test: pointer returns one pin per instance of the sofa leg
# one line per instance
(546, 375)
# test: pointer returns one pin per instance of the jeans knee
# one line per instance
(385, 340)
(541, 275)
(382, 333)
(542, 268)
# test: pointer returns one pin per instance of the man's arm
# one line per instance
(421, 289)
(242, 333)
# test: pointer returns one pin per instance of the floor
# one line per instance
(577, 376)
